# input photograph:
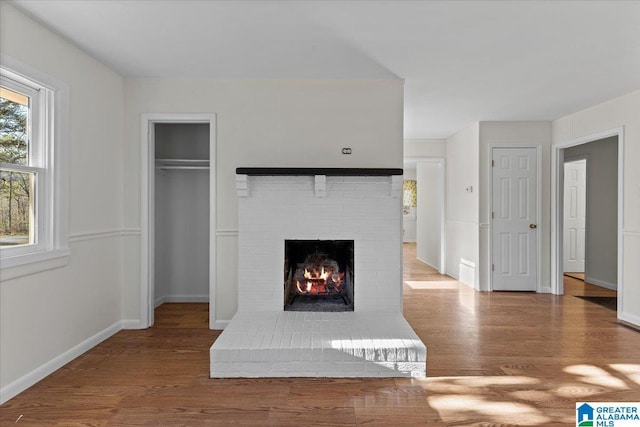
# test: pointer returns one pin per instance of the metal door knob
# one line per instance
(533, 226)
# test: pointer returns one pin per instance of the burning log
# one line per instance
(318, 275)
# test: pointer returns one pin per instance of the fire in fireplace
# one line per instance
(318, 275)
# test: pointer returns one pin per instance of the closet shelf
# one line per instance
(167, 164)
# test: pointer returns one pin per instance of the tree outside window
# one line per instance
(16, 185)
(409, 199)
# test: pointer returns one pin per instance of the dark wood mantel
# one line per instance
(266, 171)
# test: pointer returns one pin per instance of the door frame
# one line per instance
(147, 211)
(557, 207)
(540, 224)
(441, 162)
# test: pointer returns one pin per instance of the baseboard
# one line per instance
(631, 319)
(131, 324)
(545, 290)
(429, 264)
(181, 298)
(600, 283)
(219, 325)
(467, 273)
(21, 384)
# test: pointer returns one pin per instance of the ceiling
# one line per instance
(462, 61)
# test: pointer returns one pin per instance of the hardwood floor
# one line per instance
(493, 359)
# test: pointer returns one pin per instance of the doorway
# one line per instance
(604, 201)
(600, 223)
(178, 203)
(423, 210)
(181, 191)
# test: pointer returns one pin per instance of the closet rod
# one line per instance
(183, 167)
(182, 161)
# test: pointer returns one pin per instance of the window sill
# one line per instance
(24, 265)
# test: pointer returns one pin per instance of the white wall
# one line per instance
(601, 241)
(425, 148)
(262, 123)
(429, 217)
(618, 112)
(47, 314)
(526, 134)
(462, 207)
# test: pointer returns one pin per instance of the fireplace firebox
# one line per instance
(318, 275)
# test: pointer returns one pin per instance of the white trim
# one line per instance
(53, 219)
(220, 324)
(469, 267)
(131, 324)
(557, 183)
(130, 232)
(24, 382)
(14, 267)
(94, 235)
(27, 264)
(629, 318)
(21, 168)
(147, 178)
(227, 233)
(180, 298)
(425, 262)
(540, 226)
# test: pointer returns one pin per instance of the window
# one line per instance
(22, 169)
(32, 194)
(409, 199)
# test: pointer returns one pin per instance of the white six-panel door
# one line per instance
(514, 219)
(575, 194)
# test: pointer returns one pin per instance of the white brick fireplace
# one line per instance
(359, 205)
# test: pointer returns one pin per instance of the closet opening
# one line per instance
(182, 213)
(178, 242)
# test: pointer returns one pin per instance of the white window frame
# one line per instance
(37, 160)
(48, 160)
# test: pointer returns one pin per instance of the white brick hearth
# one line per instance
(303, 344)
(262, 340)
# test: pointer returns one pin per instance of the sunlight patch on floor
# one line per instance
(597, 376)
(450, 407)
(632, 371)
(533, 395)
